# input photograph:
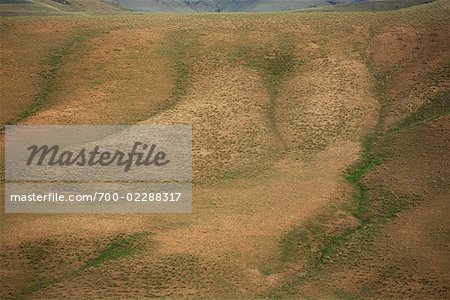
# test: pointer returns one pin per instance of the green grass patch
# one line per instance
(277, 68)
(180, 50)
(118, 249)
(39, 285)
(367, 163)
(275, 65)
(49, 77)
(438, 106)
(295, 238)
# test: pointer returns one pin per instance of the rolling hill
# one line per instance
(320, 152)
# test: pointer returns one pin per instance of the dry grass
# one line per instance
(279, 104)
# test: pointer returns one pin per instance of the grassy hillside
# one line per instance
(320, 153)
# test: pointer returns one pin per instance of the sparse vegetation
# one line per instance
(320, 149)
(49, 77)
(118, 249)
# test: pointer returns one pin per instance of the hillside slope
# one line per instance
(320, 153)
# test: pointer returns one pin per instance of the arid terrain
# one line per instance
(320, 153)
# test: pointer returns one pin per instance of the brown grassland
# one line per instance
(320, 153)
